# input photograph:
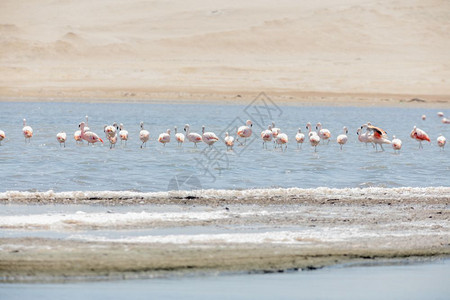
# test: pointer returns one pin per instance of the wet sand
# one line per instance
(332, 231)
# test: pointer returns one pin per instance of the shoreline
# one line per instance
(72, 261)
(235, 234)
(296, 98)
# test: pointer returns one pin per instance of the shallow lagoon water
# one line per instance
(405, 281)
(43, 165)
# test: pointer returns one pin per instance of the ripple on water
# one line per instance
(44, 165)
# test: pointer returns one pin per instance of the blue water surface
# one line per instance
(43, 165)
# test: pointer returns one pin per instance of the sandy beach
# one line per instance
(332, 228)
(328, 52)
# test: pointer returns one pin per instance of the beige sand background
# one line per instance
(332, 51)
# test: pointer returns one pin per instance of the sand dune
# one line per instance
(218, 49)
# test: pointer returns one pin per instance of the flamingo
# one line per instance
(299, 137)
(77, 134)
(419, 135)
(441, 141)
(123, 134)
(27, 131)
(396, 144)
(144, 135)
(2, 136)
(342, 138)
(440, 114)
(424, 117)
(324, 134)
(266, 136)
(110, 130)
(164, 137)
(192, 136)
(209, 137)
(378, 136)
(179, 136)
(364, 137)
(275, 130)
(62, 137)
(314, 139)
(444, 120)
(89, 136)
(282, 139)
(229, 141)
(245, 131)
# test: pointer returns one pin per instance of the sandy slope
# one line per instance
(218, 49)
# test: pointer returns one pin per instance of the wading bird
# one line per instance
(419, 135)
(144, 135)
(27, 131)
(62, 137)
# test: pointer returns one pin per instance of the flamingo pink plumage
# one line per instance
(396, 143)
(314, 139)
(89, 136)
(123, 134)
(192, 136)
(209, 137)
(282, 139)
(342, 138)
(324, 134)
(266, 136)
(245, 131)
(419, 135)
(179, 136)
(441, 141)
(164, 137)
(144, 135)
(61, 137)
(299, 137)
(229, 141)
(27, 131)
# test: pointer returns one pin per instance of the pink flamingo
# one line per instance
(27, 131)
(282, 139)
(89, 136)
(299, 137)
(396, 144)
(445, 120)
(164, 137)
(342, 138)
(179, 136)
(440, 114)
(62, 137)
(110, 130)
(324, 134)
(209, 137)
(123, 134)
(192, 136)
(424, 117)
(229, 141)
(245, 131)
(2, 136)
(144, 135)
(77, 134)
(378, 136)
(364, 137)
(314, 139)
(441, 141)
(419, 135)
(275, 130)
(266, 136)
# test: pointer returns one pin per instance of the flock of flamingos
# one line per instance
(367, 133)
